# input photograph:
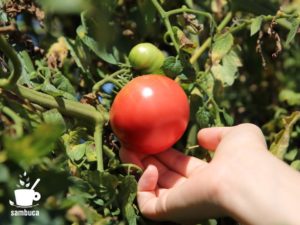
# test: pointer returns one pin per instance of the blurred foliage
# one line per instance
(244, 69)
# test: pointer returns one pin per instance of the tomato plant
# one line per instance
(150, 114)
(146, 58)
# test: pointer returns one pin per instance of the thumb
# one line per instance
(242, 135)
(209, 138)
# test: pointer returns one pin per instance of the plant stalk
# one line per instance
(98, 145)
(7, 83)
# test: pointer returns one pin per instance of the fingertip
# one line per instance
(148, 180)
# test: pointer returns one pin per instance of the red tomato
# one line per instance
(149, 114)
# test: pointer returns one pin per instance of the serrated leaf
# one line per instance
(73, 137)
(256, 25)
(11, 203)
(295, 22)
(27, 185)
(172, 66)
(24, 174)
(228, 70)
(221, 46)
(280, 144)
(22, 182)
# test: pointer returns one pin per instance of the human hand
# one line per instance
(237, 182)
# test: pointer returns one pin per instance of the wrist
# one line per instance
(263, 191)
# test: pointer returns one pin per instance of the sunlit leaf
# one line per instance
(76, 152)
(295, 22)
(221, 46)
(292, 98)
(255, 25)
(228, 70)
(281, 142)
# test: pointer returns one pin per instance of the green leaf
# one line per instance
(76, 152)
(53, 116)
(49, 88)
(99, 49)
(228, 119)
(292, 98)
(172, 66)
(90, 152)
(282, 138)
(62, 83)
(29, 149)
(296, 164)
(73, 136)
(203, 117)
(255, 25)
(227, 72)
(79, 53)
(28, 68)
(295, 22)
(128, 189)
(221, 46)
(291, 155)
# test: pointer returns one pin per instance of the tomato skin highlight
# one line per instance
(146, 58)
(149, 114)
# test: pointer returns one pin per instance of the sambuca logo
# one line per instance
(25, 197)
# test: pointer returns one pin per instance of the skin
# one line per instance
(243, 181)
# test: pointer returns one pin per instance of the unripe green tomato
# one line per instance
(146, 58)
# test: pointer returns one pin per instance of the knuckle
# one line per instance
(250, 127)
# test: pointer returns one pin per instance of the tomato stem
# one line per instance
(98, 133)
(12, 55)
(109, 78)
(18, 122)
(66, 107)
(198, 52)
(187, 10)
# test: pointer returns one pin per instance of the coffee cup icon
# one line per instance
(25, 197)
